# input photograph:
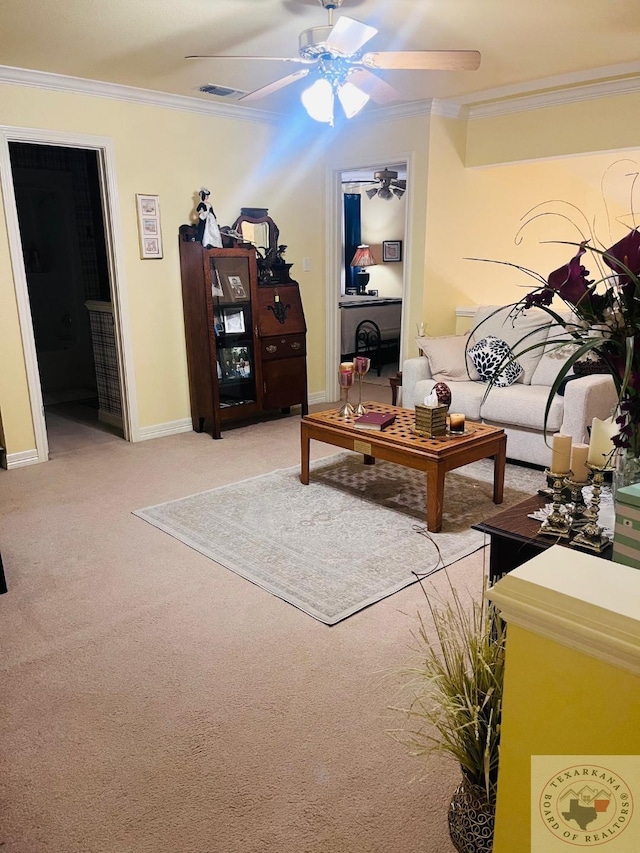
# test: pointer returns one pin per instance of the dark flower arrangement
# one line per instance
(603, 320)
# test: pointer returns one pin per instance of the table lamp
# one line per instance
(362, 258)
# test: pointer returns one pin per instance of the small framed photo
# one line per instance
(148, 207)
(234, 321)
(237, 289)
(372, 292)
(391, 251)
(235, 362)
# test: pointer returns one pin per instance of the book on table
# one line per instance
(374, 420)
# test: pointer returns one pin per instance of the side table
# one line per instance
(514, 537)
(395, 382)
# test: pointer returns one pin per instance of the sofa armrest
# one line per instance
(414, 370)
(587, 398)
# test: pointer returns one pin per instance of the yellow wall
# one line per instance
(557, 701)
(603, 124)
(171, 153)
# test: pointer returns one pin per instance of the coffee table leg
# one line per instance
(499, 461)
(435, 497)
(304, 454)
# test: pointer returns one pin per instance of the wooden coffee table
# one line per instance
(400, 444)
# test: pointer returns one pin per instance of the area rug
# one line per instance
(355, 535)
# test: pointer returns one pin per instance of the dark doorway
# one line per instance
(62, 229)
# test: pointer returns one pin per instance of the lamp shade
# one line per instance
(363, 257)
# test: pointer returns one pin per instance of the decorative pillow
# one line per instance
(491, 353)
(446, 355)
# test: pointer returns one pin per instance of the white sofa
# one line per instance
(519, 409)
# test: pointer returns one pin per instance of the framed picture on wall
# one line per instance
(148, 207)
(391, 251)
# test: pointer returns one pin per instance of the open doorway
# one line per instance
(61, 223)
(373, 213)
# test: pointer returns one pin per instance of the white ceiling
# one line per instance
(142, 43)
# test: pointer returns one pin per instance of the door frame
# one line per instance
(115, 259)
(333, 195)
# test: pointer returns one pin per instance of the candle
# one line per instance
(346, 367)
(561, 454)
(361, 364)
(345, 378)
(579, 453)
(456, 422)
(601, 446)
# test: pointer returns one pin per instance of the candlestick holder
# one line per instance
(361, 364)
(578, 512)
(558, 522)
(345, 380)
(590, 535)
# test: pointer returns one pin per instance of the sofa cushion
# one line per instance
(523, 406)
(493, 360)
(498, 321)
(448, 358)
(466, 396)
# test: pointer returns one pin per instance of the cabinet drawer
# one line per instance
(283, 347)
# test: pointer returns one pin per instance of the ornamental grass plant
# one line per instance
(457, 688)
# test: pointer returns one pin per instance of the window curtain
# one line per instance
(352, 235)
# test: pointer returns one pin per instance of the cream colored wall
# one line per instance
(383, 219)
(481, 213)
(171, 153)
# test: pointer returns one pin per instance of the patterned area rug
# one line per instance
(353, 536)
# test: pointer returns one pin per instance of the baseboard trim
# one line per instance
(162, 430)
(19, 460)
(318, 397)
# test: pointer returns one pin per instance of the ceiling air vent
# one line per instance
(221, 91)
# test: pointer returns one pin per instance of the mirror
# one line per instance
(257, 227)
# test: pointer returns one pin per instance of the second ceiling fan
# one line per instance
(333, 55)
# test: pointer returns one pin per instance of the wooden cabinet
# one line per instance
(246, 342)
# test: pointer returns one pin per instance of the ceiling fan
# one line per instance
(387, 184)
(333, 55)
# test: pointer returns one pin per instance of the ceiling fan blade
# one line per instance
(298, 59)
(270, 88)
(349, 35)
(424, 60)
(377, 89)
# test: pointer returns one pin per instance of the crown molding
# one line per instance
(577, 86)
(115, 91)
(531, 95)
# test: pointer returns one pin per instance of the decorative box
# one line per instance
(626, 536)
(431, 420)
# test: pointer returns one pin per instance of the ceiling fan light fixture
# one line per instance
(372, 192)
(352, 99)
(397, 191)
(318, 101)
(385, 193)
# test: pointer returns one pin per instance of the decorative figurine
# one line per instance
(443, 393)
(208, 231)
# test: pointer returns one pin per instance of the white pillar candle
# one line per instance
(579, 453)
(601, 446)
(561, 454)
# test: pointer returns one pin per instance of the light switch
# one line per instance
(306, 264)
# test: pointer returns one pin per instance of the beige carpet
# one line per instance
(353, 536)
(153, 702)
